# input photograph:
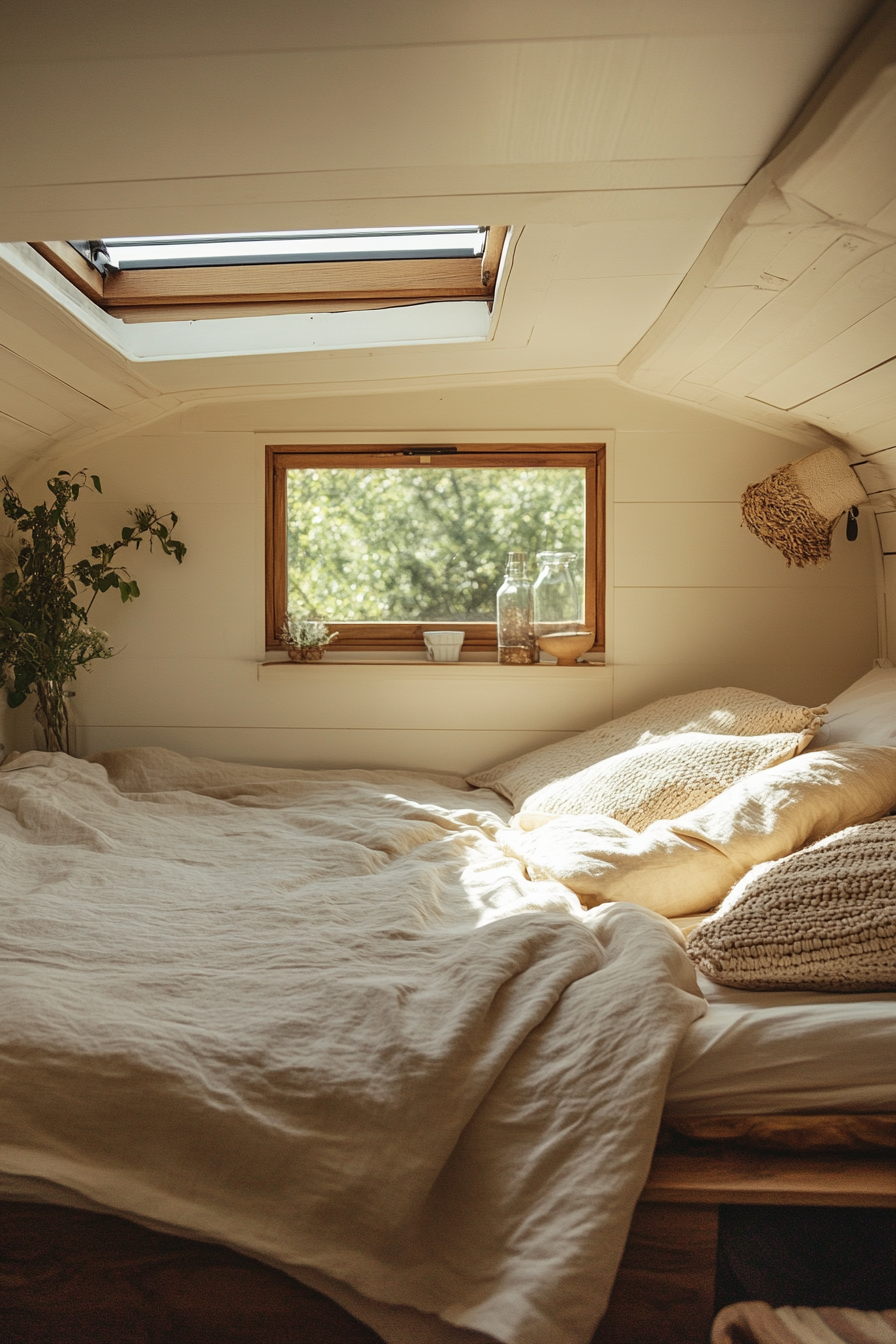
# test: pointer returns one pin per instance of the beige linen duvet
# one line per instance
(326, 1021)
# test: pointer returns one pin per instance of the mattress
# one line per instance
(767, 1053)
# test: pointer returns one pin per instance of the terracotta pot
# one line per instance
(311, 654)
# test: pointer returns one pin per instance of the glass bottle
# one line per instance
(555, 595)
(514, 603)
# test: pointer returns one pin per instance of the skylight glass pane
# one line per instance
(402, 544)
(241, 249)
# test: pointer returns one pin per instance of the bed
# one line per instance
(220, 982)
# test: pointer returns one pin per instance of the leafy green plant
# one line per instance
(45, 633)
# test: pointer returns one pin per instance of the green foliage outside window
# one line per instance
(401, 544)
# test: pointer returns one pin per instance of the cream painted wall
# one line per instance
(693, 599)
(886, 523)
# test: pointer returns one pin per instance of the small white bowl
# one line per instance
(443, 646)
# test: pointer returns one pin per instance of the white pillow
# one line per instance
(603, 860)
(777, 811)
(865, 712)
(681, 867)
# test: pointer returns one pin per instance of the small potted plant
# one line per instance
(305, 637)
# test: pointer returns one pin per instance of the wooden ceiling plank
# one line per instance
(878, 473)
(877, 437)
(886, 460)
(55, 337)
(776, 272)
(24, 340)
(825, 299)
(863, 346)
(67, 399)
(852, 398)
(712, 323)
(31, 411)
(805, 246)
(885, 220)
(759, 252)
(852, 175)
(724, 404)
(15, 434)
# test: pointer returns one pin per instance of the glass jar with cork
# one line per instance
(516, 642)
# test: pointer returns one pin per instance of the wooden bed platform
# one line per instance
(68, 1276)
(664, 1290)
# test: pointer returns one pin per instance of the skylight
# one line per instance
(242, 249)
(253, 330)
(210, 277)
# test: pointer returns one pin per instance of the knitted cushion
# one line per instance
(663, 779)
(727, 709)
(821, 919)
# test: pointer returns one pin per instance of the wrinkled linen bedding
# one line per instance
(325, 1020)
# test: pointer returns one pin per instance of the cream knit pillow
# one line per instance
(821, 919)
(727, 709)
(663, 779)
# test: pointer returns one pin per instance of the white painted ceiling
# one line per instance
(789, 315)
(616, 137)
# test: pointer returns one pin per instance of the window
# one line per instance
(384, 542)
(186, 277)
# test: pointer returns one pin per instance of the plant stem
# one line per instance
(52, 714)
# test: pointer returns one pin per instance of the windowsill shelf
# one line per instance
(483, 664)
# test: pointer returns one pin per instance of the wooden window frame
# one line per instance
(481, 636)
(185, 293)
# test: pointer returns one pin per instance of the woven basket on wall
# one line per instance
(797, 508)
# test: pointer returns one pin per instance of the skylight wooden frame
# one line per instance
(480, 636)
(184, 293)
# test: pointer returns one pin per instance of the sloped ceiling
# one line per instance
(789, 314)
(617, 138)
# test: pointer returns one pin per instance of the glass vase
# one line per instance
(555, 594)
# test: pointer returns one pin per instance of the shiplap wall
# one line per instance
(879, 478)
(693, 599)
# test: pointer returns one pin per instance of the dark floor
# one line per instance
(72, 1277)
(810, 1257)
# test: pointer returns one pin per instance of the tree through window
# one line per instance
(380, 544)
